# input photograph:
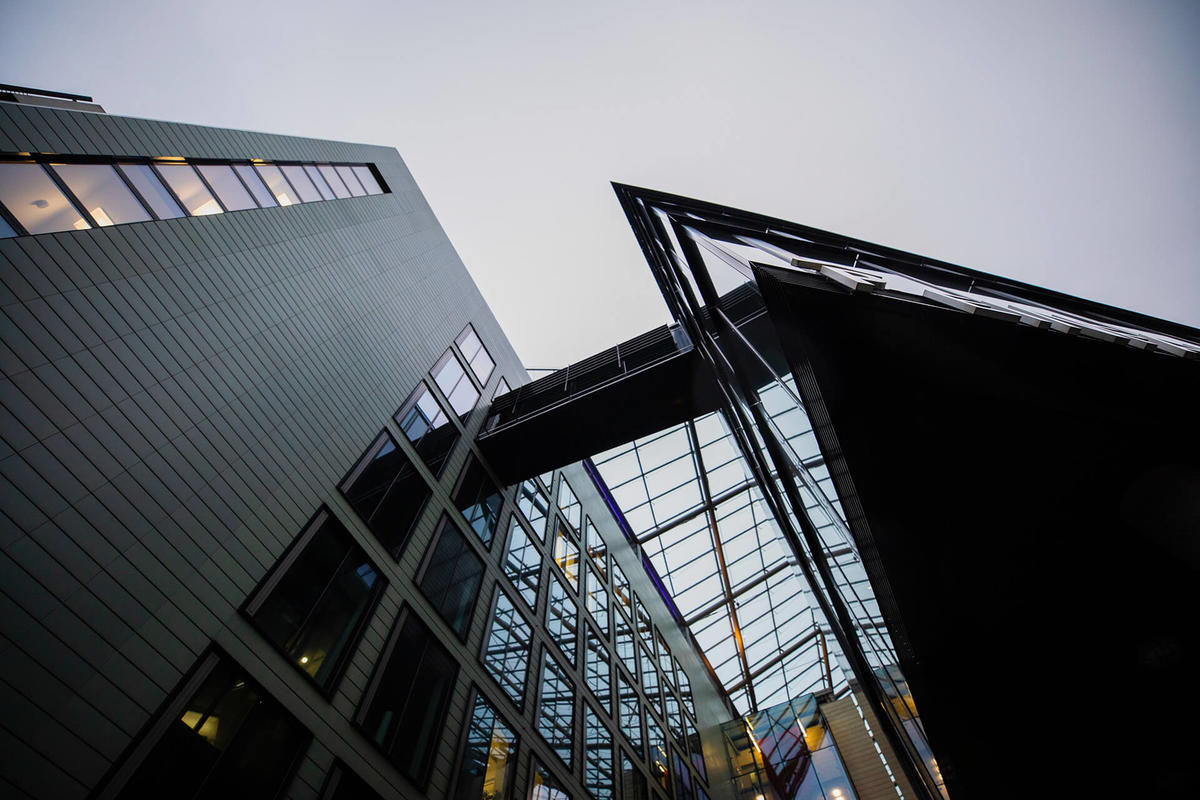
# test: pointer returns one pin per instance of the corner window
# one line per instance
(102, 192)
(451, 578)
(220, 730)
(476, 355)
(522, 563)
(191, 191)
(404, 708)
(556, 710)
(387, 492)
(450, 377)
(506, 648)
(428, 428)
(479, 501)
(316, 599)
(33, 198)
(489, 758)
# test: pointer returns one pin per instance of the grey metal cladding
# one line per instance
(178, 398)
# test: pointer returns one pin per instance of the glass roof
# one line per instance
(691, 500)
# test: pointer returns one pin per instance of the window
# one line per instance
(404, 708)
(485, 770)
(6, 230)
(633, 782)
(685, 690)
(318, 180)
(102, 192)
(569, 505)
(556, 709)
(683, 777)
(255, 184)
(650, 681)
(475, 354)
(672, 713)
(544, 786)
(451, 578)
(621, 589)
(344, 784)
(596, 670)
(277, 183)
(427, 428)
(534, 506)
(221, 734)
(597, 550)
(597, 756)
(659, 749)
(479, 501)
(335, 182)
(629, 713)
(665, 662)
(146, 181)
(566, 555)
(562, 619)
(314, 603)
(351, 181)
(35, 201)
(448, 374)
(502, 387)
(697, 748)
(227, 185)
(367, 178)
(387, 493)
(644, 628)
(626, 649)
(506, 648)
(298, 178)
(522, 563)
(191, 191)
(597, 599)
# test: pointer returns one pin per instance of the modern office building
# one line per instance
(285, 516)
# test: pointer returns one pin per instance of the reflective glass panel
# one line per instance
(6, 230)
(597, 756)
(562, 619)
(625, 646)
(697, 748)
(568, 503)
(534, 506)
(387, 492)
(367, 179)
(477, 357)
(522, 562)
(644, 628)
(428, 428)
(255, 184)
(665, 662)
(506, 649)
(190, 190)
(318, 180)
(405, 706)
(458, 389)
(35, 201)
(501, 388)
(658, 749)
(102, 193)
(683, 777)
(452, 577)
(351, 181)
(489, 756)
(629, 711)
(556, 710)
(331, 177)
(596, 669)
(151, 188)
(283, 192)
(229, 189)
(685, 690)
(544, 786)
(597, 599)
(621, 590)
(633, 782)
(650, 681)
(479, 501)
(566, 555)
(673, 714)
(300, 181)
(230, 733)
(597, 550)
(313, 608)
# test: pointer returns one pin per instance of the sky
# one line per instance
(1054, 142)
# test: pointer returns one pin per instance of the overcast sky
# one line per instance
(1053, 142)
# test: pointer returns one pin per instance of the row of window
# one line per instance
(49, 194)
(316, 600)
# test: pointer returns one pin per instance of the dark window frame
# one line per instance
(510, 771)
(356, 470)
(530, 660)
(452, 353)
(262, 591)
(409, 404)
(497, 531)
(444, 522)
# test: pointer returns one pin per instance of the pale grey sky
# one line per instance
(1053, 142)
